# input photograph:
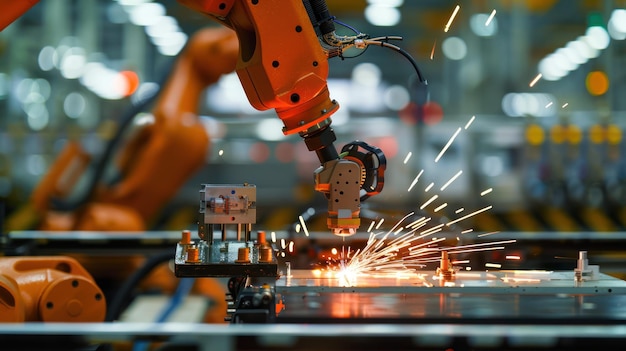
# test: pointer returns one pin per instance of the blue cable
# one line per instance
(182, 290)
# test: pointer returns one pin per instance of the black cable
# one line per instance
(124, 293)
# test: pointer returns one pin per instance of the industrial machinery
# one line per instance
(48, 289)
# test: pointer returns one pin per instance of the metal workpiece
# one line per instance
(232, 208)
(583, 270)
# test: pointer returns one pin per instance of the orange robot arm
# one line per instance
(283, 65)
(12, 10)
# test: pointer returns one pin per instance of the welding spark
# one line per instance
(469, 123)
(493, 13)
(221, 152)
(485, 192)
(441, 207)
(459, 210)
(454, 177)
(493, 265)
(565, 105)
(369, 230)
(334, 251)
(467, 231)
(306, 230)
(283, 244)
(487, 234)
(415, 180)
(408, 156)
(461, 262)
(456, 10)
(291, 246)
(380, 223)
(432, 198)
(469, 215)
(432, 52)
(447, 145)
(429, 187)
(534, 81)
(549, 104)
(513, 257)
(273, 234)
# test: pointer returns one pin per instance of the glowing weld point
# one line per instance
(380, 223)
(487, 191)
(493, 13)
(447, 145)
(408, 156)
(333, 251)
(534, 81)
(433, 198)
(493, 265)
(549, 104)
(565, 105)
(432, 52)
(467, 231)
(469, 123)
(221, 152)
(456, 10)
(369, 230)
(429, 187)
(459, 210)
(451, 180)
(513, 257)
(306, 231)
(415, 180)
(273, 234)
(441, 207)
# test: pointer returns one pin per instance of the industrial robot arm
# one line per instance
(284, 47)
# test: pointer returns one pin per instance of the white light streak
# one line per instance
(549, 104)
(469, 215)
(380, 223)
(408, 157)
(534, 81)
(432, 52)
(487, 234)
(459, 210)
(493, 13)
(306, 230)
(429, 187)
(415, 180)
(369, 230)
(493, 265)
(461, 262)
(513, 257)
(469, 123)
(565, 105)
(467, 231)
(456, 10)
(433, 198)
(447, 145)
(458, 174)
(441, 207)
(291, 245)
(273, 234)
(283, 244)
(486, 191)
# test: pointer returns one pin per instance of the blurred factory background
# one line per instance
(550, 150)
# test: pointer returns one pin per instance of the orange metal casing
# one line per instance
(12, 10)
(48, 289)
(281, 63)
